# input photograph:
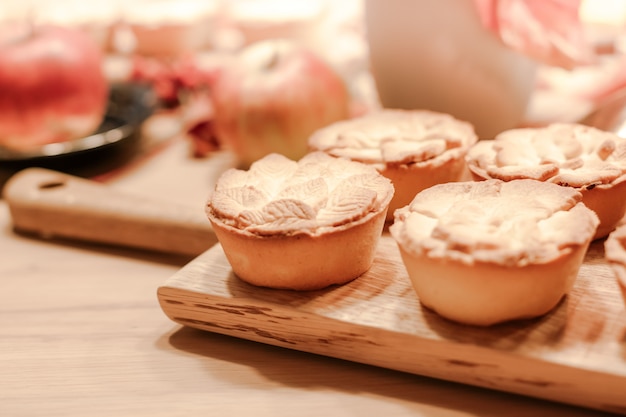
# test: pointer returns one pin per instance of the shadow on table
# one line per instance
(108, 249)
(303, 370)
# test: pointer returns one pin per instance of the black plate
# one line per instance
(114, 144)
(111, 130)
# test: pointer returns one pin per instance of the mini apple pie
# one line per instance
(615, 254)
(415, 149)
(485, 252)
(300, 225)
(589, 160)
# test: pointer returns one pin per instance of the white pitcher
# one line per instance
(435, 54)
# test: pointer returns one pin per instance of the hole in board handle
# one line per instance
(51, 184)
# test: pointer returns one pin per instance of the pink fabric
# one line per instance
(549, 31)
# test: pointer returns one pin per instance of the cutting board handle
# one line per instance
(54, 204)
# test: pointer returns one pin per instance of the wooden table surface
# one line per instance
(83, 335)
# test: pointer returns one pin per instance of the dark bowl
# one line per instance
(114, 143)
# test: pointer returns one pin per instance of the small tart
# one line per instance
(492, 251)
(300, 225)
(615, 254)
(415, 149)
(587, 159)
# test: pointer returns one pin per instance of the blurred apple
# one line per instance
(52, 87)
(273, 96)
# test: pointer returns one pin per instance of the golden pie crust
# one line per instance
(300, 225)
(415, 149)
(615, 254)
(491, 251)
(587, 159)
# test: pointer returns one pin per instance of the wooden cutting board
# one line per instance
(576, 354)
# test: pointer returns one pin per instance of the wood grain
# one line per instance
(53, 204)
(576, 354)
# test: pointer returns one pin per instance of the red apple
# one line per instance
(273, 97)
(52, 87)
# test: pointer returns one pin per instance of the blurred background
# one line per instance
(176, 45)
(166, 29)
(171, 29)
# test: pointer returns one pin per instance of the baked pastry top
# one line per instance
(512, 223)
(317, 194)
(615, 254)
(563, 153)
(394, 137)
(615, 246)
